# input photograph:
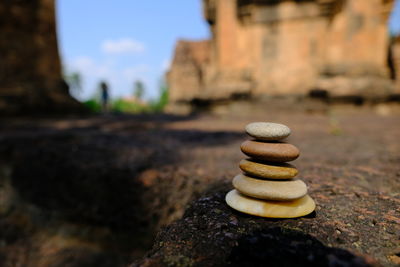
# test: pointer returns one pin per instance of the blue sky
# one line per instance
(125, 40)
(394, 20)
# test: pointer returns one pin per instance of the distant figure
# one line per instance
(104, 96)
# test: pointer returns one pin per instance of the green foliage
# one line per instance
(74, 80)
(92, 105)
(129, 106)
(124, 106)
(162, 101)
(133, 105)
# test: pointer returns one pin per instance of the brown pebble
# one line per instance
(275, 152)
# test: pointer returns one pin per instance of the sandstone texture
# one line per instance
(275, 152)
(267, 131)
(268, 169)
(94, 191)
(213, 234)
(270, 190)
(190, 60)
(30, 68)
(354, 183)
(267, 48)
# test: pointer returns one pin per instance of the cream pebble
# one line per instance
(270, 209)
(267, 131)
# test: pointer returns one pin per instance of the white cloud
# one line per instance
(122, 46)
(87, 66)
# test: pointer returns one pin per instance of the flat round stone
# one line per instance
(270, 209)
(267, 130)
(269, 189)
(268, 170)
(275, 152)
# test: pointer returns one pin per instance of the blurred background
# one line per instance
(145, 52)
(114, 115)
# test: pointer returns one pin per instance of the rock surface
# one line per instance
(212, 234)
(268, 189)
(268, 131)
(268, 170)
(355, 187)
(276, 152)
(93, 191)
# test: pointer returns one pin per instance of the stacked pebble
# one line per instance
(267, 187)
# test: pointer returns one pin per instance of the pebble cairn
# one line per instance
(267, 187)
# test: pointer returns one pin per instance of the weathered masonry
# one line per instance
(278, 47)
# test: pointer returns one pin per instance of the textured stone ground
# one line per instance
(95, 190)
(350, 160)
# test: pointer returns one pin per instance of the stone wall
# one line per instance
(264, 47)
(189, 62)
(30, 69)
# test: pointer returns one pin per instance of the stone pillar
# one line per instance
(356, 51)
(226, 28)
(30, 68)
(354, 33)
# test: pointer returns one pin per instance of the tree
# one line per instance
(139, 89)
(74, 80)
(159, 104)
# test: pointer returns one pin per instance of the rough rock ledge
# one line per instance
(343, 231)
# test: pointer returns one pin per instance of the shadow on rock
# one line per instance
(287, 247)
(107, 191)
(210, 233)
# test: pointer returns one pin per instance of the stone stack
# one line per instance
(267, 187)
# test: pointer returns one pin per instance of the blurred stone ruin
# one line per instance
(258, 49)
(30, 67)
(263, 48)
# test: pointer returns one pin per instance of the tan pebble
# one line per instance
(270, 209)
(268, 170)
